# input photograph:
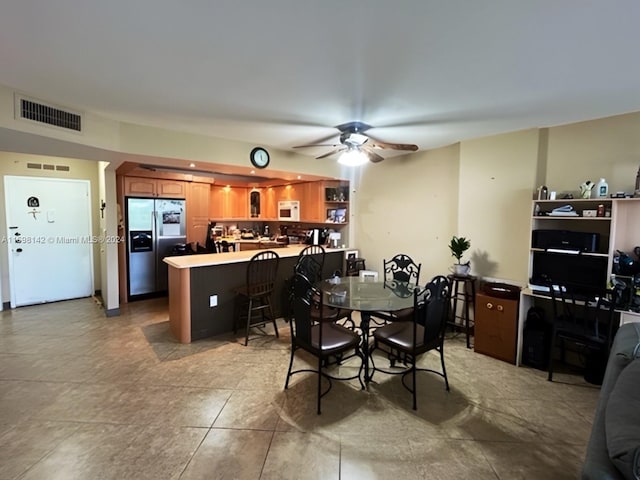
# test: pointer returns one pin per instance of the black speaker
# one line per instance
(565, 240)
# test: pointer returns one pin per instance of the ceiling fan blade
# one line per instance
(331, 152)
(373, 156)
(393, 146)
(334, 145)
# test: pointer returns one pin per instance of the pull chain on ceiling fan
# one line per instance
(354, 141)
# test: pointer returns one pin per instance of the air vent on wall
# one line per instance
(36, 111)
(48, 166)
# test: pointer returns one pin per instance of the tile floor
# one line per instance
(88, 397)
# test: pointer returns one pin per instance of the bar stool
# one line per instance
(354, 265)
(463, 290)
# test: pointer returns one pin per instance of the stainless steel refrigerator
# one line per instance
(154, 228)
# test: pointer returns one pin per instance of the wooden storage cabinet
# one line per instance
(321, 199)
(268, 204)
(229, 203)
(496, 327)
(311, 203)
(154, 187)
(197, 212)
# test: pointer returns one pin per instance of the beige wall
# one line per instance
(609, 148)
(497, 176)
(409, 205)
(16, 164)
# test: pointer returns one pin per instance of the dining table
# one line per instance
(367, 296)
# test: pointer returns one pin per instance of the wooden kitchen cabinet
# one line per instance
(197, 206)
(312, 202)
(268, 204)
(229, 203)
(324, 200)
(154, 187)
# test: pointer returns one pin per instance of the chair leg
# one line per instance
(273, 318)
(415, 394)
(444, 370)
(319, 381)
(550, 366)
(293, 351)
(246, 338)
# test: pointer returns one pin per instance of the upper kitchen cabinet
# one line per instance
(154, 187)
(229, 203)
(268, 204)
(289, 192)
(197, 211)
(325, 202)
(263, 204)
(311, 203)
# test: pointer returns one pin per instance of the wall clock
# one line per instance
(259, 157)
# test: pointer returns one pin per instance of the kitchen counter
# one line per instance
(202, 288)
(209, 259)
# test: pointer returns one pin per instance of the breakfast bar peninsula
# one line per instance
(202, 288)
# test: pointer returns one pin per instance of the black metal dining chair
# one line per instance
(585, 319)
(406, 342)
(254, 297)
(328, 342)
(401, 268)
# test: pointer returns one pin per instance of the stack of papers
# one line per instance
(564, 211)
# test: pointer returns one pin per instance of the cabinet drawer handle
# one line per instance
(500, 308)
(489, 305)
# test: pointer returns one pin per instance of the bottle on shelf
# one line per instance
(602, 188)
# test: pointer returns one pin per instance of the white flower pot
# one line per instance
(461, 269)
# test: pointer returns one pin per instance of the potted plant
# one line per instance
(458, 246)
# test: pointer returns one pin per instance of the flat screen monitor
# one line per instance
(581, 274)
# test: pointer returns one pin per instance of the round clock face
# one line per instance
(259, 157)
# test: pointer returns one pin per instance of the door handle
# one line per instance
(18, 250)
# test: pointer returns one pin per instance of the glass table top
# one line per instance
(353, 293)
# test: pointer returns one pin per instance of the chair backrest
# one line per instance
(261, 272)
(431, 309)
(224, 246)
(311, 262)
(593, 310)
(303, 301)
(402, 268)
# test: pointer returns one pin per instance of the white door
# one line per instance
(49, 239)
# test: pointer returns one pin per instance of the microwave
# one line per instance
(289, 210)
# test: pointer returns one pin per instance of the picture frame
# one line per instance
(341, 215)
(351, 254)
(331, 215)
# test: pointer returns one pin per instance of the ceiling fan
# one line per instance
(352, 138)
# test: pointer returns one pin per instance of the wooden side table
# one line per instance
(463, 289)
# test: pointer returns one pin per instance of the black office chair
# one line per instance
(329, 342)
(407, 341)
(587, 320)
(254, 298)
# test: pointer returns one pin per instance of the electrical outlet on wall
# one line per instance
(213, 301)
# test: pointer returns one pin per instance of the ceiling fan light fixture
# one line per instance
(353, 157)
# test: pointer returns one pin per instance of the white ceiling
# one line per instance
(281, 73)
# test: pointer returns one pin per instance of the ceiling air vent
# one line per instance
(48, 114)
